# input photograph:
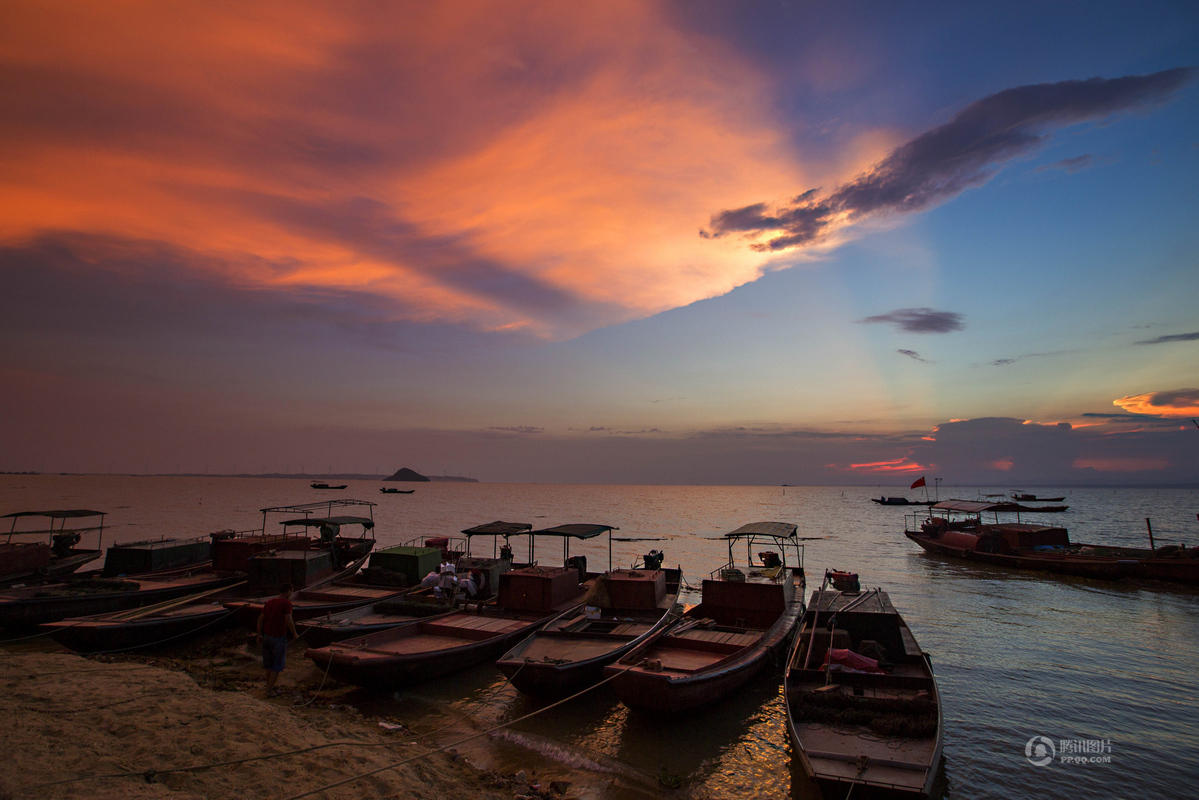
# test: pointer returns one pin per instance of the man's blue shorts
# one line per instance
(274, 652)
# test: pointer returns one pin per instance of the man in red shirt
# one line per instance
(274, 624)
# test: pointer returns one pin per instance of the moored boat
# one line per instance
(527, 598)
(623, 608)
(956, 528)
(863, 710)
(246, 566)
(322, 485)
(900, 501)
(58, 554)
(747, 612)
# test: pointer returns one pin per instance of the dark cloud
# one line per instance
(920, 320)
(1174, 337)
(1003, 362)
(1070, 165)
(1175, 398)
(945, 161)
(912, 354)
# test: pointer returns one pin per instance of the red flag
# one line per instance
(917, 483)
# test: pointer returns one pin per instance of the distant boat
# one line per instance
(955, 528)
(1024, 497)
(391, 490)
(901, 501)
(863, 711)
(319, 485)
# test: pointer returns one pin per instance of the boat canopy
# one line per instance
(576, 531)
(499, 528)
(973, 506)
(308, 508)
(781, 530)
(61, 514)
(316, 522)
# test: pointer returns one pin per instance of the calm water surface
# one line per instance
(1016, 655)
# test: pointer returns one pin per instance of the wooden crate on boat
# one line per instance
(150, 556)
(297, 567)
(635, 589)
(537, 588)
(414, 563)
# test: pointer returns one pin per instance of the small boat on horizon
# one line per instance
(747, 612)
(321, 485)
(955, 528)
(391, 490)
(1025, 497)
(863, 710)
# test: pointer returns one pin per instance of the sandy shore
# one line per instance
(79, 727)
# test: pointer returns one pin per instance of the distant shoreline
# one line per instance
(1024, 485)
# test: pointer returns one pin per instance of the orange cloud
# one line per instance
(1174, 403)
(898, 465)
(546, 168)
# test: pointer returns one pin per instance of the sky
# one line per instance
(622, 242)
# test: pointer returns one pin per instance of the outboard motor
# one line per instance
(580, 564)
(63, 542)
(506, 551)
(653, 559)
(769, 558)
(845, 581)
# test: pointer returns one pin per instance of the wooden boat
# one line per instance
(746, 614)
(320, 485)
(393, 490)
(901, 501)
(171, 621)
(863, 710)
(527, 598)
(1025, 497)
(413, 563)
(57, 555)
(246, 566)
(622, 610)
(31, 606)
(955, 528)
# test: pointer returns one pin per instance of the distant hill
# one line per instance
(406, 474)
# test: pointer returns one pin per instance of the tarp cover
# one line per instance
(973, 506)
(849, 661)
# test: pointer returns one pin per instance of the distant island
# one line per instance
(406, 474)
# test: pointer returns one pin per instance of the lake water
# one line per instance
(1016, 654)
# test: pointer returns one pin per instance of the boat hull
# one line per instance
(22, 610)
(1128, 566)
(672, 692)
(846, 755)
(356, 661)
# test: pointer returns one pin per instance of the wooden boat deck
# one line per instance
(446, 633)
(894, 762)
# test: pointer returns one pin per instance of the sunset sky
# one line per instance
(642, 242)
